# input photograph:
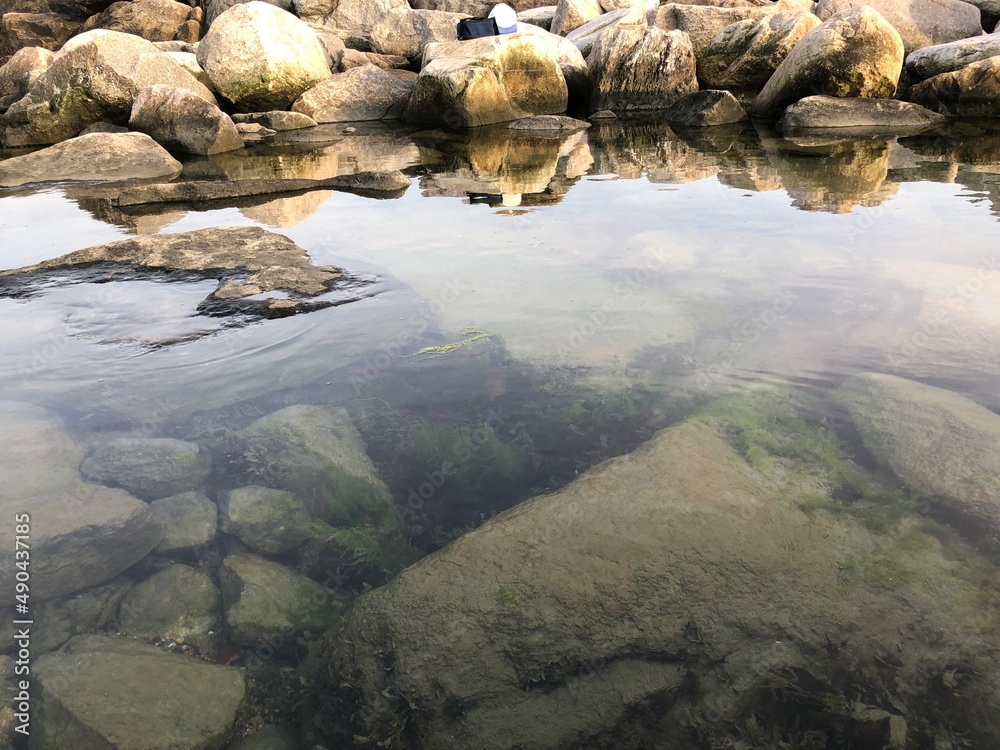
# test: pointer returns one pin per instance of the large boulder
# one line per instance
(153, 20)
(585, 36)
(973, 91)
(175, 603)
(745, 54)
(487, 80)
(217, 7)
(853, 53)
(97, 156)
(96, 76)
(59, 620)
(48, 30)
(266, 520)
(102, 692)
(945, 58)
(572, 14)
(652, 602)
(354, 19)
(150, 467)
(266, 603)
(406, 32)
(857, 115)
(183, 122)
(703, 22)
(260, 57)
(364, 93)
(81, 534)
(568, 57)
(634, 69)
(19, 74)
(920, 23)
(933, 439)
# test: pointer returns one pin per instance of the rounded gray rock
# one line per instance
(153, 467)
(174, 603)
(189, 520)
(267, 520)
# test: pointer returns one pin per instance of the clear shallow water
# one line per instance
(598, 288)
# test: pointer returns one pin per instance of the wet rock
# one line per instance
(81, 534)
(482, 81)
(406, 32)
(973, 91)
(584, 37)
(945, 58)
(175, 603)
(277, 120)
(548, 123)
(249, 260)
(116, 693)
(266, 520)
(217, 7)
(183, 122)
(97, 156)
(364, 93)
(268, 738)
(153, 20)
(855, 53)
(58, 621)
(19, 74)
(572, 14)
(266, 603)
(150, 467)
(96, 76)
(260, 57)
(540, 17)
(920, 23)
(47, 30)
(745, 54)
(933, 439)
(189, 521)
(859, 115)
(705, 109)
(301, 448)
(634, 69)
(703, 22)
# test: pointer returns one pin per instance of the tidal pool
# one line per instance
(530, 307)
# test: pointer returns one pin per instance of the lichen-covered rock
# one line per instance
(945, 58)
(260, 57)
(153, 20)
(266, 520)
(745, 54)
(633, 69)
(266, 603)
(150, 467)
(920, 23)
(487, 80)
(704, 109)
(102, 692)
(48, 30)
(933, 439)
(96, 76)
(177, 602)
(19, 74)
(406, 32)
(189, 521)
(972, 91)
(572, 14)
(81, 534)
(857, 115)
(853, 53)
(183, 122)
(364, 93)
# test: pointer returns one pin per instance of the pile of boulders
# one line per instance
(190, 77)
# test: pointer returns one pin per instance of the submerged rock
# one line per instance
(150, 467)
(266, 603)
(654, 600)
(855, 53)
(81, 534)
(95, 156)
(265, 519)
(189, 521)
(858, 115)
(260, 57)
(635, 69)
(59, 620)
(116, 693)
(176, 602)
(933, 439)
(705, 109)
(183, 122)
